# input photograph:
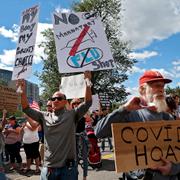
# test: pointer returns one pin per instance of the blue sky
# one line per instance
(152, 28)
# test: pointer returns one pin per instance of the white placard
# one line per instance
(81, 43)
(73, 86)
(26, 44)
(95, 103)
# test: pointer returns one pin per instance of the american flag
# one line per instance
(33, 104)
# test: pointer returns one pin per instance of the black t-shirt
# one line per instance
(80, 125)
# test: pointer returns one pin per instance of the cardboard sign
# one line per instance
(9, 99)
(140, 145)
(73, 86)
(26, 44)
(81, 43)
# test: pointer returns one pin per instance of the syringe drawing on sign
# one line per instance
(90, 36)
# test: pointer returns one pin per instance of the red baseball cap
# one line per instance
(150, 76)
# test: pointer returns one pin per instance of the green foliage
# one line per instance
(175, 90)
(50, 76)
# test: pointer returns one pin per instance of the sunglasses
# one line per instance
(58, 98)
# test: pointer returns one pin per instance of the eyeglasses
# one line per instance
(58, 98)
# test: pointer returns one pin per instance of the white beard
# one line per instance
(160, 104)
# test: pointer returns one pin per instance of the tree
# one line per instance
(50, 76)
(103, 81)
(175, 90)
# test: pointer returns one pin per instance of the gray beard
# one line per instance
(160, 104)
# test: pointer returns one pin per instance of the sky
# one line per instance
(152, 29)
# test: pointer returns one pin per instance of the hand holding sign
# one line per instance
(20, 86)
(165, 168)
(87, 77)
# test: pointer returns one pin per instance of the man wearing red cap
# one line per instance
(150, 106)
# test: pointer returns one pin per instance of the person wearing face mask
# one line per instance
(149, 106)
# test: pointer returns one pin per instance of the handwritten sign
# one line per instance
(73, 86)
(9, 99)
(26, 44)
(104, 100)
(140, 145)
(81, 43)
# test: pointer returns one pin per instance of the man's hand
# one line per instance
(88, 93)
(24, 101)
(133, 104)
(165, 168)
(87, 75)
(21, 84)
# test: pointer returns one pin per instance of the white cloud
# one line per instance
(177, 62)
(8, 33)
(135, 69)
(133, 92)
(63, 10)
(143, 55)
(144, 22)
(8, 57)
(176, 68)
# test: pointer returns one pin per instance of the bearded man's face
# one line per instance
(155, 95)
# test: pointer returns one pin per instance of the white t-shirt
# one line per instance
(30, 136)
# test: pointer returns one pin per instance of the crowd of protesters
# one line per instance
(57, 139)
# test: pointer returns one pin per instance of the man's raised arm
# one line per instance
(24, 101)
(88, 93)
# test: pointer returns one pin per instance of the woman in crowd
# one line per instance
(31, 144)
(12, 135)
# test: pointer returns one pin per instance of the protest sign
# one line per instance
(73, 86)
(104, 100)
(95, 103)
(26, 44)
(81, 43)
(9, 99)
(140, 145)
